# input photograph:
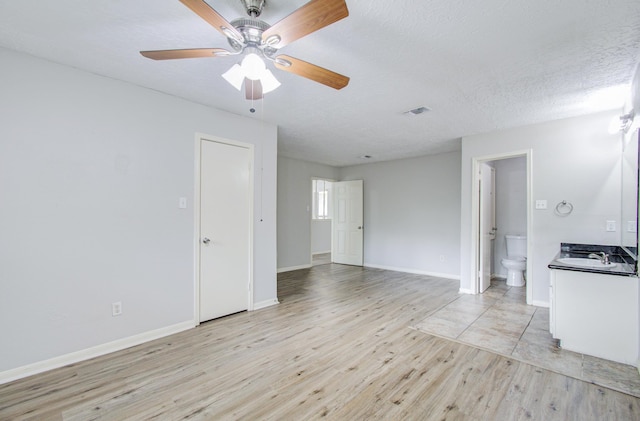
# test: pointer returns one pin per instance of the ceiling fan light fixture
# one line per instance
(253, 66)
(235, 76)
(269, 82)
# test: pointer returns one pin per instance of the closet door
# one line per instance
(225, 228)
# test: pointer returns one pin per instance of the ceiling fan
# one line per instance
(259, 41)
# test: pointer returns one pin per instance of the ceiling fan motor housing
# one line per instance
(251, 29)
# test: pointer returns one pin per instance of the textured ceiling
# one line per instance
(479, 66)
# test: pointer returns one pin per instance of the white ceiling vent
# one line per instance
(417, 111)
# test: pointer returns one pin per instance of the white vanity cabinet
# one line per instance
(596, 314)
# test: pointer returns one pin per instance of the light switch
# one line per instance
(182, 203)
(541, 204)
(631, 226)
(611, 226)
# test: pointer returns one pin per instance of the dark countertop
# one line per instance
(626, 265)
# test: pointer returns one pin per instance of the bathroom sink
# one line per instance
(585, 263)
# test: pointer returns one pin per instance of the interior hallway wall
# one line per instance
(411, 213)
(91, 172)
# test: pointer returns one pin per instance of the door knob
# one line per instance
(206, 240)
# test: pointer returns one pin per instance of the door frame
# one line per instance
(199, 138)
(475, 215)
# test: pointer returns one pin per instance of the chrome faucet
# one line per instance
(602, 256)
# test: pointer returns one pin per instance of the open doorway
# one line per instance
(510, 216)
(321, 211)
(337, 222)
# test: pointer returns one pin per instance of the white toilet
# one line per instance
(516, 260)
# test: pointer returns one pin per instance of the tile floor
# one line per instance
(500, 321)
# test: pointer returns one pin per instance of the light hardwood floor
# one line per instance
(338, 347)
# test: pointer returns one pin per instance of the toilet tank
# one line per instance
(516, 245)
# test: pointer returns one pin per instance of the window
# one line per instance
(321, 199)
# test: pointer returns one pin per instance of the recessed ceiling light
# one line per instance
(417, 111)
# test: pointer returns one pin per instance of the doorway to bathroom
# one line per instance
(501, 206)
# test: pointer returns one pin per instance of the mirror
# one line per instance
(629, 204)
(630, 158)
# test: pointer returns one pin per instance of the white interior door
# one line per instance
(225, 228)
(347, 226)
(487, 224)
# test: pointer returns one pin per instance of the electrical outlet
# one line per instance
(442, 258)
(611, 226)
(631, 226)
(116, 308)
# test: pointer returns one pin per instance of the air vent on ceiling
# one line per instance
(417, 111)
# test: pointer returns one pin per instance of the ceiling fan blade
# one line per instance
(186, 53)
(252, 89)
(309, 18)
(311, 71)
(213, 18)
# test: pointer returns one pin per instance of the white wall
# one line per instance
(511, 205)
(412, 213)
(573, 159)
(294, 210)
(91, 170)
(320, 236)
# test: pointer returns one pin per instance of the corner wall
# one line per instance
(91, 171)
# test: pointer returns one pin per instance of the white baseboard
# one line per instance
(265, 304)
(540, 303)
(415, 271)
(465, 291)
(292, 268)
(96, 351)
(320, 252)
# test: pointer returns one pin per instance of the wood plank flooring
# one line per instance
(338, 347)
